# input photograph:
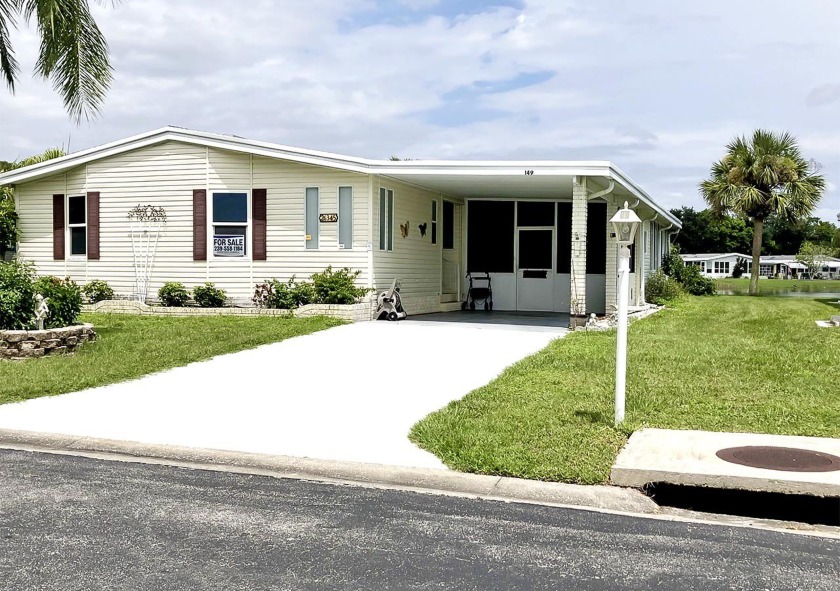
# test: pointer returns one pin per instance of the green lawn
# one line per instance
(776, 285)
(717, 363)
(132, 346)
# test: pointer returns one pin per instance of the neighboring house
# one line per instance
(782, 266)
(241, 211)
(716, 265)
(788, 267)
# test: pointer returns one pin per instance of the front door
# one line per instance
(535, 270)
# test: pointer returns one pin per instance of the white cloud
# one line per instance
(658, 87)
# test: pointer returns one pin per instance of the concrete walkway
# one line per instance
(349, 393)
(691, 458)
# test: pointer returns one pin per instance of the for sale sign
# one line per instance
(228, 246)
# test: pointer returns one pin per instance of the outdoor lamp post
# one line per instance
(625, 223)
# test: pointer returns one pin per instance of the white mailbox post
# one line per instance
(625, 224)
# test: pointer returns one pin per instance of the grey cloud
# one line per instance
(824, 95)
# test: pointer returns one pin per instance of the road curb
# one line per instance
(608, 498)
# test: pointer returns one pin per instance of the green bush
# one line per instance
(337, 287)
(17, 295)
(173, 294)
(64, 300)
(97, 291)
(283, 296)
(209, 296)
(740, 269)
(661, 289)
(688, 276)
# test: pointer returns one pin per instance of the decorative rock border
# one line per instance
(28, 344)
(351, 312)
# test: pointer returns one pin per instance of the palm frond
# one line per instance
(73, 53)
(9, 67)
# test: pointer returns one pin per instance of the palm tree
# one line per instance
(73, 52)
(761, 177)
(8, 215)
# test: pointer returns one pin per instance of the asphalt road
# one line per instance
(69, 523)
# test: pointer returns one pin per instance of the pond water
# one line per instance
(814, 295)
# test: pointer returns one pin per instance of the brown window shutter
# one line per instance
(200, 224)
(258, 210)
(58, 227)
(93, 225)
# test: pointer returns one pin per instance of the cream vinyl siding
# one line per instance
(166, 175)
(414, 260)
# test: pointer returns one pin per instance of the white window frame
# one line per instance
(211, 225)
(69, 237)
(352, 205)
(390, 206)
(722, 267)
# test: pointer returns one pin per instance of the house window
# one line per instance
(230, 224)
(77, 225)
(313, 210)
(448, 225)
(722, 267)
(386, 219)
(434, 222)
(345, 217)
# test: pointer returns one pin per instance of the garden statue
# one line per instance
(41, 310)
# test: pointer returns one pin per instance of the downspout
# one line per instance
(642, 276)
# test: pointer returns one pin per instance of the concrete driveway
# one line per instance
(348, 393)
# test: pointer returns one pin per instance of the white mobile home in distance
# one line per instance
(241, 211)
(716, 265)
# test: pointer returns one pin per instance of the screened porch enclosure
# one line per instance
(527, 246)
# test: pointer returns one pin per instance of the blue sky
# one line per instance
(659, 87)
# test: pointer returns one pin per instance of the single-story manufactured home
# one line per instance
(785, 266)
(236, 212)
(717, 265)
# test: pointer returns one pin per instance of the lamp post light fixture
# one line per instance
(625, 223)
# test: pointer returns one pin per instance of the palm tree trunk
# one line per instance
(758, 229)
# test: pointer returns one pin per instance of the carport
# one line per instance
(541, 231)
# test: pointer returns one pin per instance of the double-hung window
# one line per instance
(386, 219)
(77, 225)
(230, 224)
(722, 267)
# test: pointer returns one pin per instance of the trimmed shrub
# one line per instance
(97, 291)
(688, 276)
(17, 295)
(740, 269)
(64, 300)
(173, 294)
(661, 289)
(209, 296)
(283, 296)
(337, 287)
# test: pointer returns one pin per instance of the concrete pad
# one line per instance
(688, 458)
(350, 393)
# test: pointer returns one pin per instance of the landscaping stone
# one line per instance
(19, 345)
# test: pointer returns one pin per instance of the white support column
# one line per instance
(612, 260)
(641, 272)
(580, 205)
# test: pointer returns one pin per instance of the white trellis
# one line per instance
(147, 223)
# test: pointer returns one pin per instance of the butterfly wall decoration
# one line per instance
(422, 227)
(404, 229)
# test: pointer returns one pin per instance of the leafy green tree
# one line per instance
(703, 231)
(813, 255)
(760, 178)
(73, 54)
(8, 215)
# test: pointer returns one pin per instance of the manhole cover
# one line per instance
(786, 459)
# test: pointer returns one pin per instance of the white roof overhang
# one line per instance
(467, 179)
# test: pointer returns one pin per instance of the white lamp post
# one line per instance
(625, 223)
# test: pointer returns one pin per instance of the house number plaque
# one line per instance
(328, 218)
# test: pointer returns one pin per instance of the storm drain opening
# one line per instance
(743, 503)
